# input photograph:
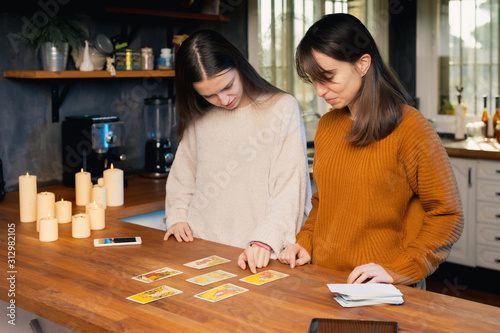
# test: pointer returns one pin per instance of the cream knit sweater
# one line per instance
(241, 175)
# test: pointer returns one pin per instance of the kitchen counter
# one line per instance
(487, 149)
(85, 288)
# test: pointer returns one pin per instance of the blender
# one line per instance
(159, 119)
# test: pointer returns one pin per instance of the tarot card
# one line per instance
(156, 275)
(264, 277)
(221, 292)
(154, 294)
(207, 262)
(211, 277)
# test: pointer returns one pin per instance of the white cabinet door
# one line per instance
(488, 190)
(464, 250)
(488, 170)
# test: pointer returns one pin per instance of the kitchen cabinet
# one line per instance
(488, 215)
(479, 186)
(464, 250)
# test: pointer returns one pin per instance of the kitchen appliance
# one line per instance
(91, 143)
(159, 119)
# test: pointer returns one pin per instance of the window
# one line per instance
(468, 54)
(283, 23)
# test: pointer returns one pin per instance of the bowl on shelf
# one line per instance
(98, 59)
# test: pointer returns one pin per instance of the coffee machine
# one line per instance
(91, 143)
(159, 119)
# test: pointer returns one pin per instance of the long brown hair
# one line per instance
(381, 97)
(203, 55)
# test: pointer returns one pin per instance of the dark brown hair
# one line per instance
(381, 97)
(203, 55)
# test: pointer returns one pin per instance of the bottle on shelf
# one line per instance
(485, 116)
(165, 59)
(459, 117)
(496, 119)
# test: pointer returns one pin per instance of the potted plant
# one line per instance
(54, 38)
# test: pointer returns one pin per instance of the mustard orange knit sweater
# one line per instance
(394, 202)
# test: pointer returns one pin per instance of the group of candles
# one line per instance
(48, 214)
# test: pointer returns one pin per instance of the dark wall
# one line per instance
(403, 41)
(31, 142)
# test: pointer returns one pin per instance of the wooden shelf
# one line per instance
(58, 98)
(162, 13)
(85, 75)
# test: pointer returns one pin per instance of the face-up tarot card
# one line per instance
(207, 262)
(264, 277)
(156, 275)
(221, 292)
(211, 277)
(154, 294)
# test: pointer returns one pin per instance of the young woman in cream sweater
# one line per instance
(240, 174)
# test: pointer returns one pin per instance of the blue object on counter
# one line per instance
(107, 241)
(155, 220)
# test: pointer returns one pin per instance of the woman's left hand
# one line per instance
(369, 273)
(256, 256)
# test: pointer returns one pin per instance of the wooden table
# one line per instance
(85, 288)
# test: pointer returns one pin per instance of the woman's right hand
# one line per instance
(181, 232)
(295, 255)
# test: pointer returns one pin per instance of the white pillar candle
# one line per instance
(113, 180)
(48, 229)
(99, 193)
(82, 187)
(96, 215)
(87, 206)
(27, 198)
(63, 211)
(80, 226)
(45, 206)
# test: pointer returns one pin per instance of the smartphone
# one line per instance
(117, 241)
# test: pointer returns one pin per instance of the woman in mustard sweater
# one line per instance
(387, 207)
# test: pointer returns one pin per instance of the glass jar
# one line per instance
(147, 60)
(128, 60)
